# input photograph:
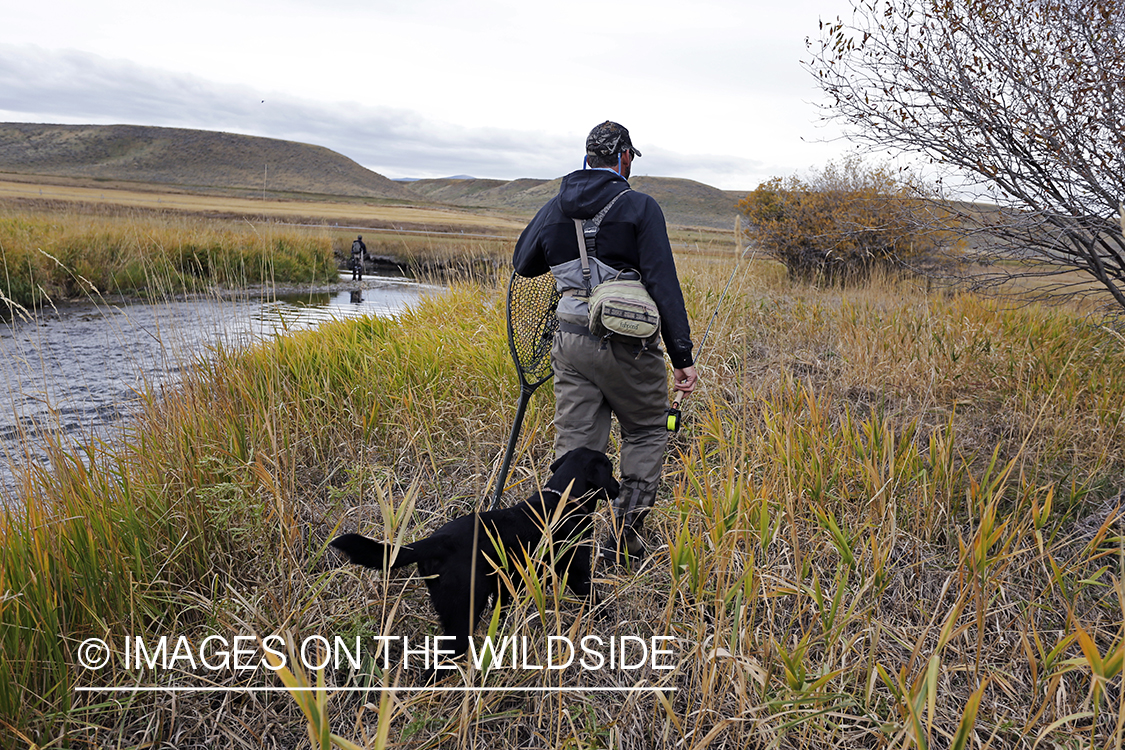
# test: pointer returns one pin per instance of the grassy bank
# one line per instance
(64, 255)
(889, 520)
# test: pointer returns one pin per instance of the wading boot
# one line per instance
(624, 544)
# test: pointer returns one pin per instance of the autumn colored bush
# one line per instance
(844, 221)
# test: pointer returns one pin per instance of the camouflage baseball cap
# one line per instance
(608, 139)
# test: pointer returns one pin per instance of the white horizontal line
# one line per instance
(466, 689)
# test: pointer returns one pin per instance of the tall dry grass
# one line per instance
(66, 254)
(891, 520)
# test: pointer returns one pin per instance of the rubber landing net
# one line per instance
(531, 329)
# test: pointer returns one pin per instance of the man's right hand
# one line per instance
(684, 380)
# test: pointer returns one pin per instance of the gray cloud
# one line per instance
(38, 85)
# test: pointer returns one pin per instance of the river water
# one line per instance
(75, 372)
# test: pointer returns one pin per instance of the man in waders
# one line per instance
(599, 376)
(359, 256)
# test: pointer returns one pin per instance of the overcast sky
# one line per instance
(711, 91)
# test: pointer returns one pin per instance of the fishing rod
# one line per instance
(674, 415)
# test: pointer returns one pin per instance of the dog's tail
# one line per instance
(372, 554)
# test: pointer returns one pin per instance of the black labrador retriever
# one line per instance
(459, 591)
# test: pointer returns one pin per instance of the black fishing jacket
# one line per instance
(632, 235)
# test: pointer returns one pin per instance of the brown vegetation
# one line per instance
(844, 222)
(1022, 101)
(891, 519)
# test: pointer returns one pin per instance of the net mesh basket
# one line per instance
(531, 325)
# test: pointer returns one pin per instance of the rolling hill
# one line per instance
(202, 160)
(685, 202)
(188, 159)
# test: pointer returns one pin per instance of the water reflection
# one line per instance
(74, 372)
(381, 296)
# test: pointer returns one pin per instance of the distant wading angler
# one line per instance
(599, 374)
(359, 257)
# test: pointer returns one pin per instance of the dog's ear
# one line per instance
(605, 479)
(571, 467)
(571, 454)
(581, 456)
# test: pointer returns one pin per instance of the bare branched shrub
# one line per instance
(1023, 100)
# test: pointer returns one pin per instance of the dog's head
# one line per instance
(591, 473)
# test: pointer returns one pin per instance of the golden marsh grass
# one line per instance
(64, 255)
(196, 203)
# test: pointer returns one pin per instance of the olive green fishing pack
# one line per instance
(621, 305)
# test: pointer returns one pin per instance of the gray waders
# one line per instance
(597, 378)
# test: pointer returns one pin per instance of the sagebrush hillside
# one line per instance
(203, 160)
(188, 159)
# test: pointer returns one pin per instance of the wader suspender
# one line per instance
(587, 232)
